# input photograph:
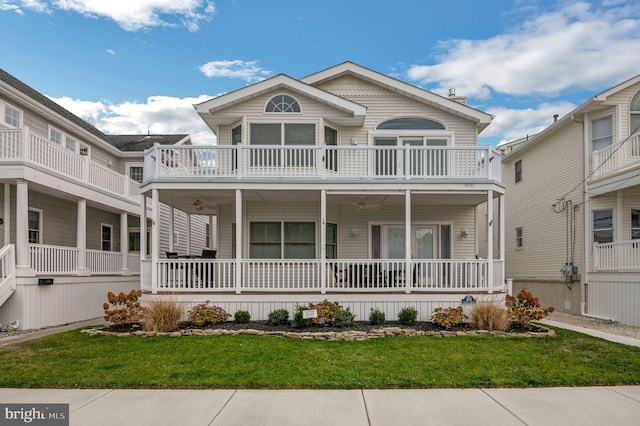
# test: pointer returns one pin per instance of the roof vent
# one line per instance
(555, 117)
(459, 99)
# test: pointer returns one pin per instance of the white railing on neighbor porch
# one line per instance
(61, 161)
(7, 272)
(618, 256)
(60, 260)
(323, 162)
(617, 156)
(281, 276)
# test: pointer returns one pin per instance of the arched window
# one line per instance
(410, 123)
(282, 103)
(634, 110)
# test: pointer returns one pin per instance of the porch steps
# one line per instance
(7, 272)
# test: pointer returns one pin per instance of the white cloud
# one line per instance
(576, 46)
(111, 51)
(131, 15)
(511, 124)
(159, 115)
(248, 71)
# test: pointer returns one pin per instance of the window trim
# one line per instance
(283, 132)
(102, 240)
(40, 224)
(594, 230)
(3, 112)
(129, 166)
(282, 237)
(518, 171)
(519, 240)
(612, 135)
(295, 100)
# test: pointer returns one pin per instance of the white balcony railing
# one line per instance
(282, 276)
(61, 260)
(61, 161)
(618, 256)
(323, 162)
(616, 157)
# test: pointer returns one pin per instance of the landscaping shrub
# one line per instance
(376, 317)
(343, 318)
(162, 315)
(207, 314)
(408, 316)
(242, 317)
(298, 320)
(490, 316)
(278, 317)
(448, 317)
(525, 308)
(125, 309)
(326, 311)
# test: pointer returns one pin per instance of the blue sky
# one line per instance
(129, 66)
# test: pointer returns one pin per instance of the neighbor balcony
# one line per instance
(24, 147)
(323, 162)
(617, 157)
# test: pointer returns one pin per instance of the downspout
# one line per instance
(586, 246)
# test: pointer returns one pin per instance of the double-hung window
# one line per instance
(519, 241)
(106, 238)
(603, 226)
(518, 171)
(601, 133)
(60, 138)
(35, 226)
(287, 134)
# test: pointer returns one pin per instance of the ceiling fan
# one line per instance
(198, 204)
(362, 205)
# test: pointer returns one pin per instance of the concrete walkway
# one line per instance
(478, 407)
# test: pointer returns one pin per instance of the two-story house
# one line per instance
(70, 213)
(573, 208)
(346, 184)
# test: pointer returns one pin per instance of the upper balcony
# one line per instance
(323, 162)
(616, 166)
(23, 146)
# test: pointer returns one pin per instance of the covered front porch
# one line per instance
(335, 241)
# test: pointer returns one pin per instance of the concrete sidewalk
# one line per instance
(538, 406)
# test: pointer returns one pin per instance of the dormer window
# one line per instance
(282, 103)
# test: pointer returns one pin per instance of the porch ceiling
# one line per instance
(209, 199)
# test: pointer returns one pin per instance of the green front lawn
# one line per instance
(74, 360)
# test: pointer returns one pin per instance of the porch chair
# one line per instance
(209, 254)
(172, 254)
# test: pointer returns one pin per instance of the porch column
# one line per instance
(407, 241)
(171, 226)
(188, 237)
(211, 231)
(239, 232)
(143, 228)
(124, 242)
(323, 241)
(155, 238)
(7, 214)
(81, 238)
(502, 250)
(490, 241)
(22, 230)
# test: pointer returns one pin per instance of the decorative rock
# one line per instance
(428, 333)
(139, 333)
(292, 335)
(123, 334)
(175, 334)
(460, 333)
(254, 332)
(482, 331)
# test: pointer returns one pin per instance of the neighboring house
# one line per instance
(573, 208)
(347, 185)
(70, 219)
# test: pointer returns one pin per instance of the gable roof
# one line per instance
(573, 116)
(116, 143)
(354, 112)
(417, 93)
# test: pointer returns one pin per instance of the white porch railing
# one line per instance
(323, 162)
(202, 275)
(617, 256)
(47, 259)
(616, 157)
(7, 272)
(61, 161)
(60, 260)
